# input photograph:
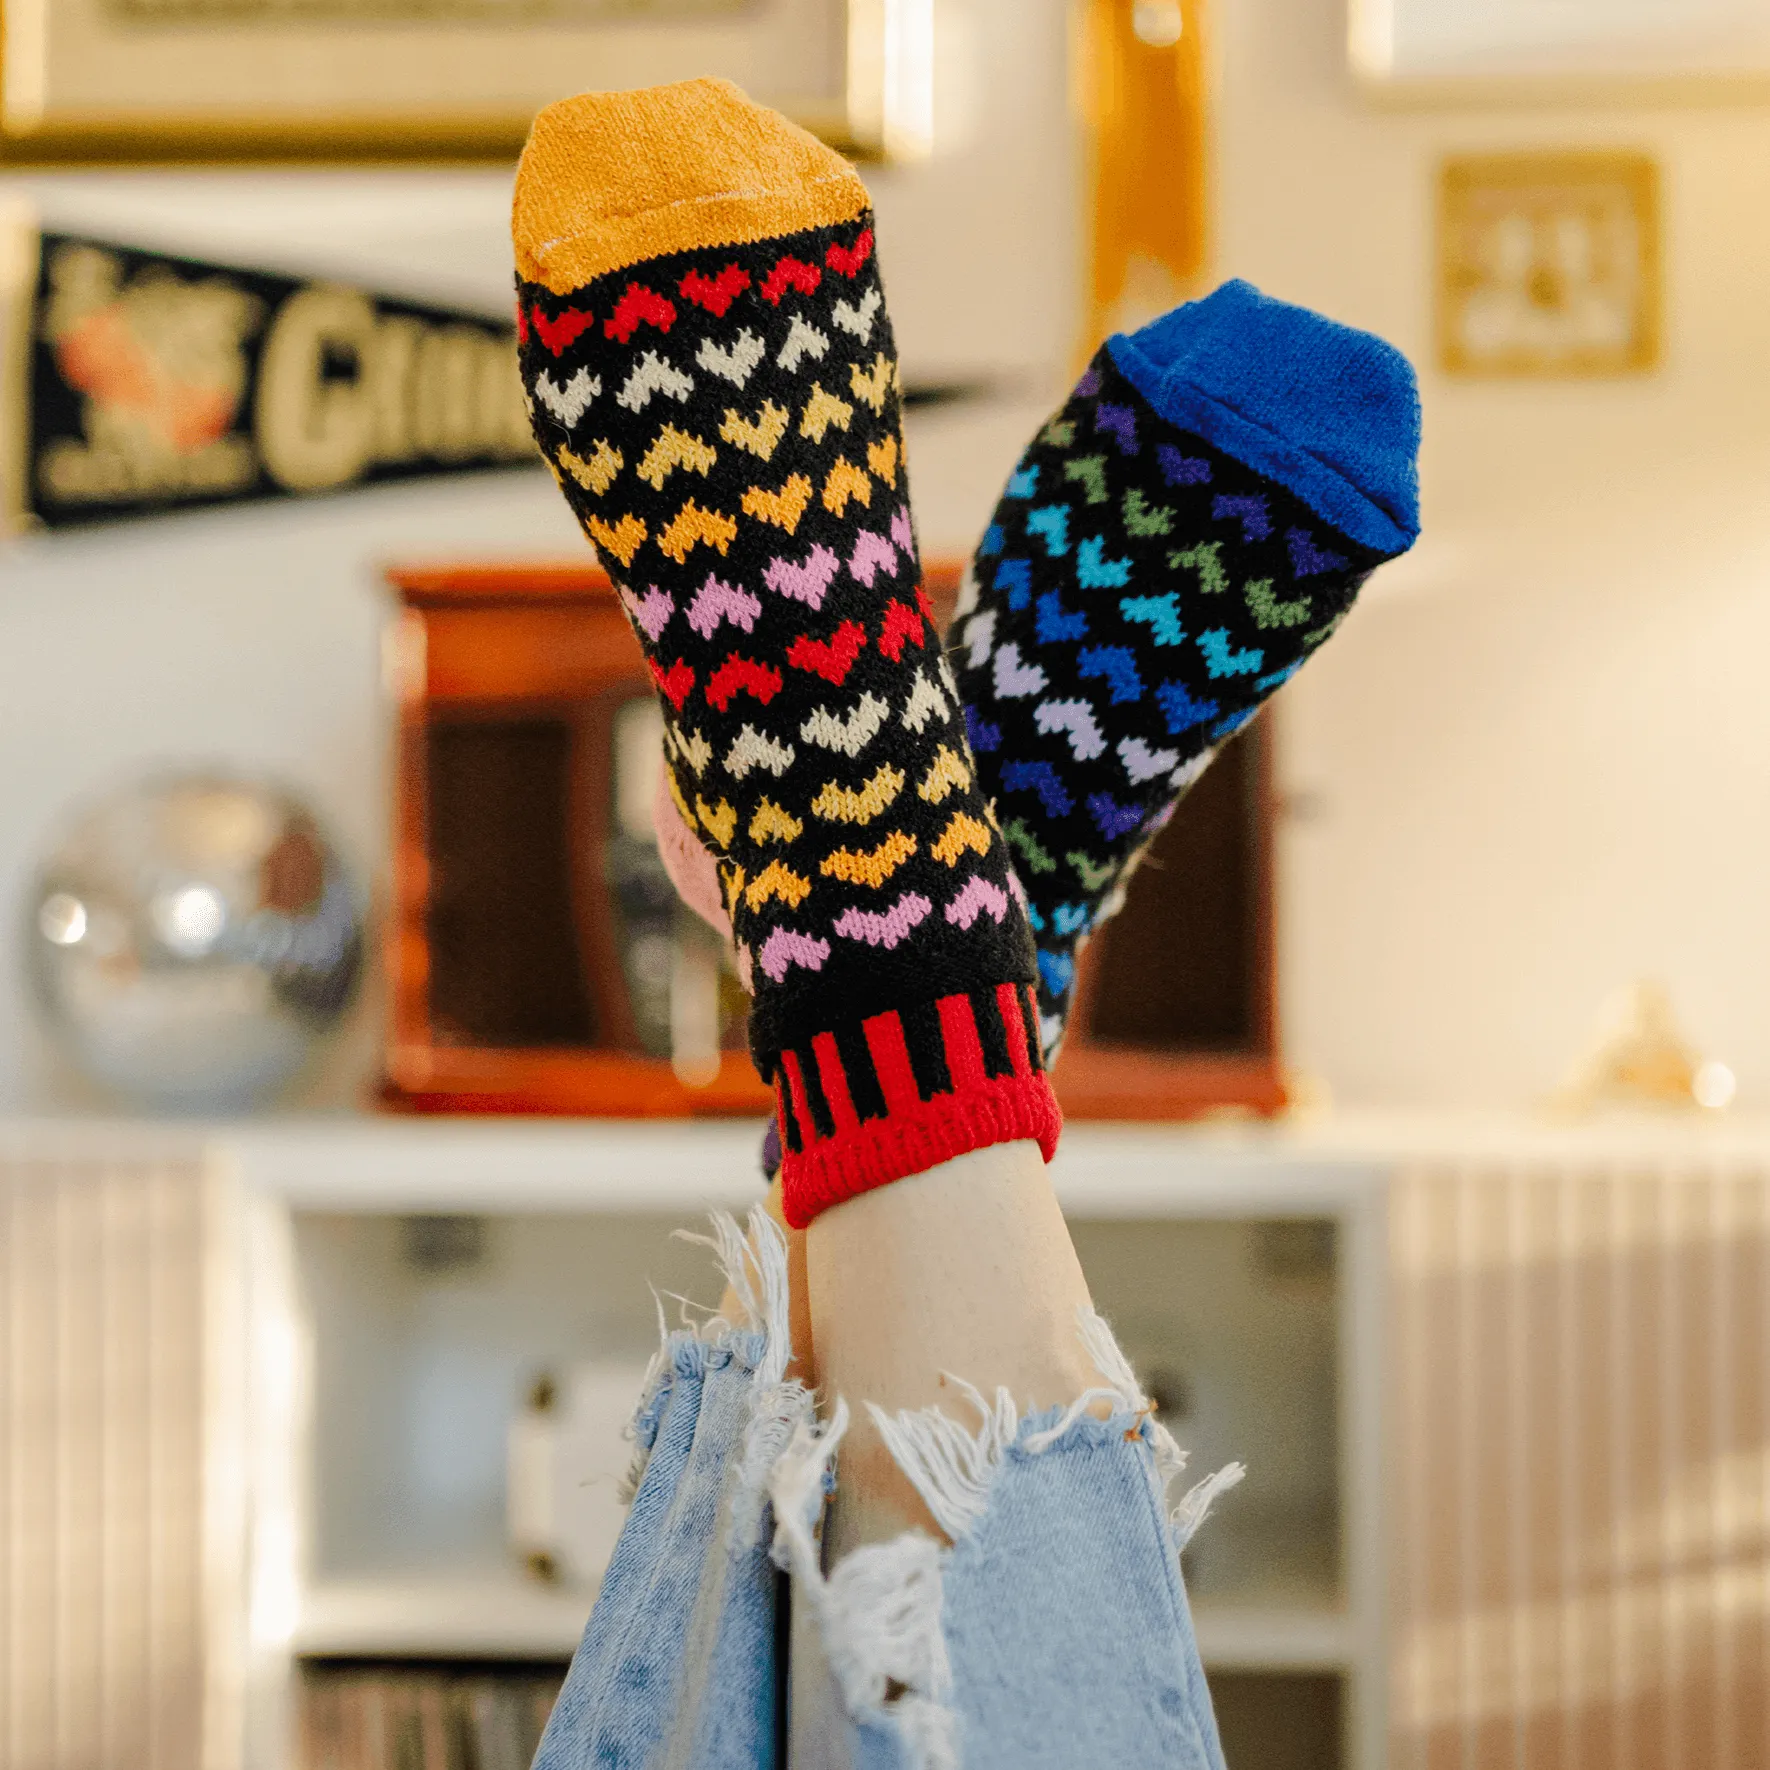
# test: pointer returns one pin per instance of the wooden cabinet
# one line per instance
(537, 957)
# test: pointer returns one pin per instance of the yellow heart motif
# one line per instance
(821, 411)
(777, 880)
(870, 869)
(675, 448)
(840, 805)
(691, 526)
(761, 435)
(945, 772)
(882, 458)
(598, 473)
(873, 384)
(846, 481)
(623, 539)
(720, 822)
(772, 824)
(962, 834)
(782, 508)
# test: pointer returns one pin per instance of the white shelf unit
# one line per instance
(1320, 1612)
(1548, 1390)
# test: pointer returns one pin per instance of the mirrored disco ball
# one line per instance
(192, 938)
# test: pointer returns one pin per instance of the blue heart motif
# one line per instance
(993, 541)
(1015, 576)
(1051, 523)
(1214, 643)
(1040, 778)
(1118, 665)
(1161, 614)
(1180, 709)
(1070, 918)
(1056, 971)
(983, 736)
(1055, 623)
(1023, 482)
(1096, 572)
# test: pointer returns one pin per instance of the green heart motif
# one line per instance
(1091, 875)
(1146, 519)
(1089, 471)
(1017, 835)
(1269, 611)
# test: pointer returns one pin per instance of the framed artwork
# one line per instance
(94, 81)
(1448, 49)
(1549, 264)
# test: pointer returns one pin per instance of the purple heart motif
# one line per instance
(1040, 778)
(1256, 525)
(806, 581)
(718, 601)
(870, 553)
(651, 611)
(1307, 559)
(1113, 819)
(1120, 423)
(1089, 385)
(983, 736)
(1182, 470)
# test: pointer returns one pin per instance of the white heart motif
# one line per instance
(567, 403)
(1014, 679)
(735, 363)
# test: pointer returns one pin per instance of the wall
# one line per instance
(1536, 762)
(1532, 767)
(252, 636)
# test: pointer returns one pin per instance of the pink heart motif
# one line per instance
(809, 582)
(901, 531)
(977, 896)
(785, 948)
(718, 601)
(886, 928)
(651, 612)
(870, 553)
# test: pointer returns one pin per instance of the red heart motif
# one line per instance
(926, 607)
(830, 658)
(902, 623)
(556, 334)
(740, 676)
(849, 259)
(639, 303)
(715, 294)
(790, 273)
(675, 682)
(522, 324)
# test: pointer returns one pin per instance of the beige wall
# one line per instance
(1536, 762)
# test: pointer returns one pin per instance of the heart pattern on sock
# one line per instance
(1139, 594)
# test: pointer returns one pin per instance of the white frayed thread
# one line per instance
(951, 1468)
(1195, 1507)
(753, 1262)
(1170, 1459)
(878, 1614)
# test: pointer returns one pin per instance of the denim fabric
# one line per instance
(678, 1662)
(1068, 1640)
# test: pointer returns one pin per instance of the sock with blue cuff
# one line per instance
(1177, 540)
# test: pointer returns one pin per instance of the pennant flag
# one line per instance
(139, 383)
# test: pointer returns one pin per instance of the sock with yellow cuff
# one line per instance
(712, 377)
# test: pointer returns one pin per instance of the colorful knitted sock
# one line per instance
(711, 372)
(1176, 541)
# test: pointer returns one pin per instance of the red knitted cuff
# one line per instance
(871, 1102)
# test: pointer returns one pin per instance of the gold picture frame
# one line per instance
(1549, 264)
(106, 82)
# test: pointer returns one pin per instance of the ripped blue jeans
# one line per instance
(1052, 1633)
